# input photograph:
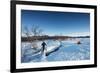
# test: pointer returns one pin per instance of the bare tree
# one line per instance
(36, 30)
(25, 31)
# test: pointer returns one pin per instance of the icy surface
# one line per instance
(68, 50)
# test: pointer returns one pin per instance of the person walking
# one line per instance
(43, 47)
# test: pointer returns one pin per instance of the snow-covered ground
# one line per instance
(67, 50)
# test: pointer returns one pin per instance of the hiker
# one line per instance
(43, 46)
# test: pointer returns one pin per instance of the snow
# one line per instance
(66, 50)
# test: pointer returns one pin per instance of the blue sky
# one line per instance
(56, 23)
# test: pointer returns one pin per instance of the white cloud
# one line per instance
(79, 34)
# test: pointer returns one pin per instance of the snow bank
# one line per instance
(28, 51)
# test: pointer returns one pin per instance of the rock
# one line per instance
(78, 42)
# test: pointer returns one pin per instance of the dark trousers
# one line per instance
(43, 48)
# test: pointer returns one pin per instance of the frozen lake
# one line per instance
(68, 51)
